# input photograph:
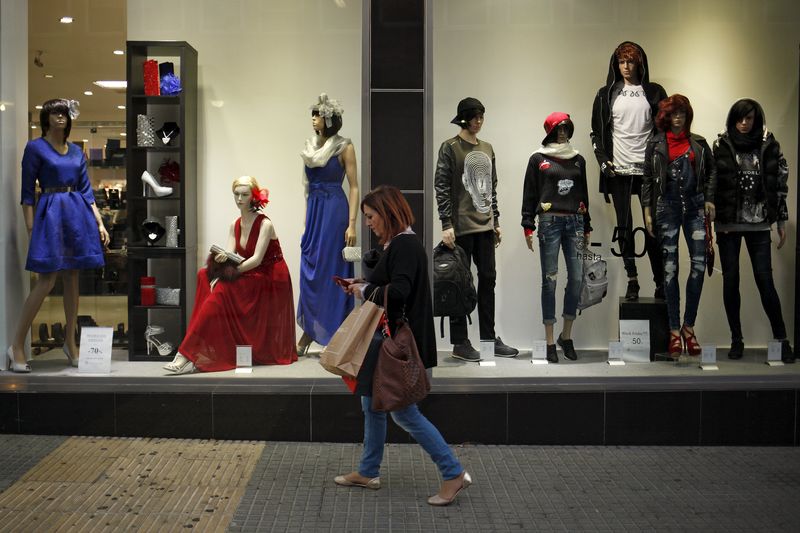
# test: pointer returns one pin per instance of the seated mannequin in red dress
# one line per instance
(254, 307)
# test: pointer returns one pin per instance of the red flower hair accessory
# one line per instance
(260, 199)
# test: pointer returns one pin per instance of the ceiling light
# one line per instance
(66, 20)
(2, 107)
(88, 93)
(33, 127)
(123, 134)
(48, 76)
(85, 140)
(120, 107)
(112, 84)
(38, 107)
(119, 52)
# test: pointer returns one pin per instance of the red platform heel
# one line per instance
(692, 346)
(675, 345)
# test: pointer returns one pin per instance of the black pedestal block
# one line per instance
(655, 311)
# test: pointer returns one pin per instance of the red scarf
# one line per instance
(678, 145)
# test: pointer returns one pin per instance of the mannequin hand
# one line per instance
(710, 211)
(350, 236)
(608, 169)
(648, 222)
(220, 257)
(104, 238)
(497, 236)
(529, 241)
(781, 237)
(586, 238)
(449, 238)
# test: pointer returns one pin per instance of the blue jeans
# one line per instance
(419, 427)
(563, 232)
(671, 216)
(758, 247)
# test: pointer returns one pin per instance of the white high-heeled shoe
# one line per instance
(163, 348)
(157, 188)
(11, 364)
(180, 365)
(73, 361)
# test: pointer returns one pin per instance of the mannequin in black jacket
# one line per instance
(623, 116)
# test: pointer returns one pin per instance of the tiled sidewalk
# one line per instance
(88, 484)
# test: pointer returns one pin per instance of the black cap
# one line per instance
(467, 104)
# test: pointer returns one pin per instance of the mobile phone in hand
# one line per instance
(341, 281)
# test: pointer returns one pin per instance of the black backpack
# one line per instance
(453, 291)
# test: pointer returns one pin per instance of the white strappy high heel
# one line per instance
(163, 348)
(157, 188)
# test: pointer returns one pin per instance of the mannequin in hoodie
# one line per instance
(751, 195)
(622, 122)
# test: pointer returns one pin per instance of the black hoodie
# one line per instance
(602, 140)
(773, 173)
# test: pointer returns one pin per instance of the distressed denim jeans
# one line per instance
(671, 217)
(560, 232)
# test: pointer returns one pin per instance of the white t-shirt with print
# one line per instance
(632, 127)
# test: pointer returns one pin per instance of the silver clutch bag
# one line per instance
(351, 254)
(168, 296)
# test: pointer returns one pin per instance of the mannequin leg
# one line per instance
(70, 280)
(566, 333)
(28, 313)
(548, 334)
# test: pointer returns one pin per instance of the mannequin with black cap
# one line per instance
(556, 194)
(466, 195)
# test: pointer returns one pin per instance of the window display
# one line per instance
(677, 194)
(466, 194)
(330, 225)
(750, 196)
(622, 122)
(555, 192)
(66, 230)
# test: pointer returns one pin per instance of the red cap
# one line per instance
(553, 120)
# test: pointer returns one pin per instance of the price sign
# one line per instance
(539, 354)
(95, 351)
(244, 360)
(615, 353)
(635, 338)
(774, 353)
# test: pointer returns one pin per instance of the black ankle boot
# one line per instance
(737, 349)
(633, 290)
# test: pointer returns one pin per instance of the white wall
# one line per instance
(266, 61)
(13, 135)
(525, 59)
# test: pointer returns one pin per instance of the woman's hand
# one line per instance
(350, 236)
(355, 289)
(104, 237)
(711, 211)
(221, 257)
(648, 221)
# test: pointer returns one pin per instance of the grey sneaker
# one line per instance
(466, 352)
(501, 349)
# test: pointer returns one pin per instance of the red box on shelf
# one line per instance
(151, 79)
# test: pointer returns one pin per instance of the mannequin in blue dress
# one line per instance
(330, 225)
(65, 228)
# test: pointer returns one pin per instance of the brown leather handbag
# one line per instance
(400, 378)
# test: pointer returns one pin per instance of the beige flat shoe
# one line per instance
(438, 501)
(372, 484)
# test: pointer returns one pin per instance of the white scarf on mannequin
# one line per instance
(558, 151)
(315, 155)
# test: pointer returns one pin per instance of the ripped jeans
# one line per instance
(560, 232)
(672, 214)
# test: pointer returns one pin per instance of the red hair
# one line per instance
(392, 207)
(668, 106)
(630, 52)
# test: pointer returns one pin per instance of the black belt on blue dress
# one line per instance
(47, 190)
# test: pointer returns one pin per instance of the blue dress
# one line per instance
(323, 305)
(65, 234)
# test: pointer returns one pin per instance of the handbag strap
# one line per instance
(386, 302)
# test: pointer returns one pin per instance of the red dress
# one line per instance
(257, 309)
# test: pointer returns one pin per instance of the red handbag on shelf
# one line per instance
(169, 171)
(151, 79)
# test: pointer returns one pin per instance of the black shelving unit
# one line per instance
(172, 267)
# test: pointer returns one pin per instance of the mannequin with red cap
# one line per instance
(556, 194)
(466, 195)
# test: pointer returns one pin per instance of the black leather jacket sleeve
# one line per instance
(649, 175)
(597, 134)
(442, 183)
(710, 174)
(495, 209)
